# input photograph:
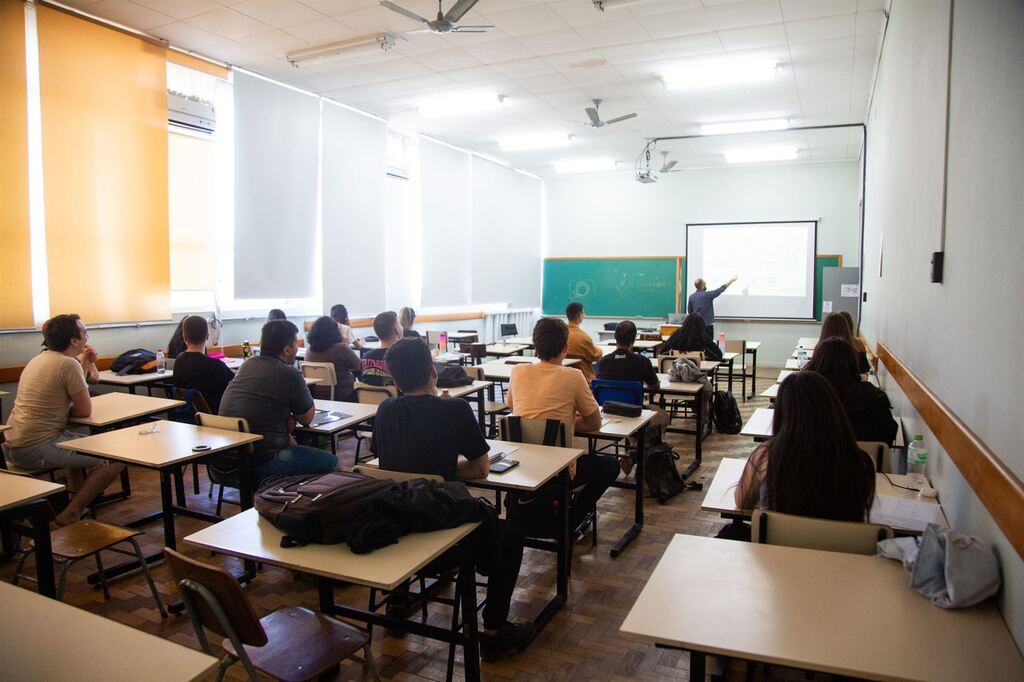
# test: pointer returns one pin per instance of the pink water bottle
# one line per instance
(442, 342)
(721, 341)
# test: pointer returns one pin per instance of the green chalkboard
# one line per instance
(612, 287)
(820, 263)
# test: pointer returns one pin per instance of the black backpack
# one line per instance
(725, 413)
(134, 361)
(660, 474)
(450, 376)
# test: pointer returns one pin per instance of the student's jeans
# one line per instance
(293, 460)
(595, 473)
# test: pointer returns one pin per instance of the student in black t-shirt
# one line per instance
(421, 433)
(623, 364)
(374, 366)
(195, 369)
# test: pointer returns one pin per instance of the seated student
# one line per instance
(53, 388)
(580, 344)
(420, 433)
(374, 366)
(407, 318)
(811, 466)
(269, 391)
(276, 314)
(624, 365)
(835, 324)
(325, 345)
(860, 344)
(549, 390)
(691, 337)
(195, 369)
(339, 314)
(176, 346)
(866, 405)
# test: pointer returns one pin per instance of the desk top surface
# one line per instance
(45, 639)
(521, 341)
(505, 348)
(753, 345)
(111, 408)
(468, 389)
(110, 377)
(16, 490)
(616, 427)
(357, 414)
(760, 423)
(249, 535)
(170, 444)
(807, 342)
(677, 387)
(814, 610)
(502, 369)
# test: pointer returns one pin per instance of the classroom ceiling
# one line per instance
(550, 58)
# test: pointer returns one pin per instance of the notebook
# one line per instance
(324, 417)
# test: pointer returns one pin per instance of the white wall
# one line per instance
(976, 310)
(613, 215)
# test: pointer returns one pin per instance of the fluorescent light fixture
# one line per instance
(710, 72)
(612, 4)
(744, 126)
(456, 104)
(353, 47)
(769, 152)
(584, 166)
(521, 143)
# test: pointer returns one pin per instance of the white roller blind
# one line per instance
(447, 201)
(276, 149)
(506, 230)
(354, 167)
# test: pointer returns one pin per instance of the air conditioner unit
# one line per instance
(190, 112)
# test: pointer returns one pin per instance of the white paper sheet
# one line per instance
(904, 514)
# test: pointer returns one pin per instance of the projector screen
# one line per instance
(774, 264)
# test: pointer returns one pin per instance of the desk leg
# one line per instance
(698, 662)
(481, 417)
(245, 501)
(638, 503)
(731, 362)
(753, 375)
(471, 643)
(167, 503)
(39, 515)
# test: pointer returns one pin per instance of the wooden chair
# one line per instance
(324, 371)
(471, 339)
(739, 346)
(12, 468)
(222, 477)
(788, 530)
(475, 352)
(369, 395)
(292, 643)
(491, 408)
(433, 338)
(878, 452)
(84, 539)
(194, 403)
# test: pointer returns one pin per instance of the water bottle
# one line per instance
(917, 458)
(801, 358)
(442, 342)
(246, 350)
(161, 362)
(721, 341)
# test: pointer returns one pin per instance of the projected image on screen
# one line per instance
(774, 263)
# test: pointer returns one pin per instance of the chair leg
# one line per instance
(423, 599)
(220, 499)
(62, 583)
(223, 666)
(21, 564)
(371, 667)
(102, 575)
(593, 541)
(195, 478)
(149, 578)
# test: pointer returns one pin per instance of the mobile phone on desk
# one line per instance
(503, 465)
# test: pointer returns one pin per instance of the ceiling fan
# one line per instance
(595, 118)
(444, 23)
(666, 165)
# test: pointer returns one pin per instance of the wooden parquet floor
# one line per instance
(582, 642)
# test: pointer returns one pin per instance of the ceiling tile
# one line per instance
(678, 23)
(278, 13)
(620, 33)
(128, 13)
(179, 9)
(576, 13)
(186, 36)
(690, 46)
(835, 48)
(229, 23)
(794, 10)
(523, 20)
(632, 54)
(553, 42)
(664, 6)
(275, 42)
(870, 5)
(522, 68)
(498, 51)
(450, 58)
(351, 76)
(869, 23)
(374, 19)
(321, 31)
(591, 77)
(544, 83)
(332, 8)
(753, 37)
(833, 75)
(808, 30)
(477, 75)
(743, 14)
(403, 67)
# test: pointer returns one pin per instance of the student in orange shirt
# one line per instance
(580, 344)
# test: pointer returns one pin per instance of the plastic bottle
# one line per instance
(246, 350)
(161, 362)
(917, 459)
(801, 358)
(721, 341)
(442, 342)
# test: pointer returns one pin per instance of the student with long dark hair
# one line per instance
(811, 466)
(325, 345)
(176, 346)
(339, 313)
(835, 324)
(692, 336)
(866, 405)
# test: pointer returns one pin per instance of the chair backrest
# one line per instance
(508, 329)
(433, 338)
(324, 371)
(474, 372)
(222, 592)
(621, 391)
(775, 528)
(373, 395)
(738, 346)
(216, 421)
(385, 474)
(665, 361)
(877, 451)
(194, 403)
(475, 350)
(667, 329)
(535, 431)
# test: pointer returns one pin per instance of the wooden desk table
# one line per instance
(772, 392)
(616, 428)
(521, 341)
(504, 350)
(501, 370)
(133, 381)
(25, 496)
(793, 363)
(679, 389)
(752, 348)
(355, 414)
(538, 464)
(250, 536)
(477, 387)
(759, 426)
(807, 342)
(44, 639)
(638, 346)
(112, 409)
(783, 374)
(814, 610)
(166, 450)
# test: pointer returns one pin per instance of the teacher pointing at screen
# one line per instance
(702, 301)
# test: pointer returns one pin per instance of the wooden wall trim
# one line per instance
(996, 486)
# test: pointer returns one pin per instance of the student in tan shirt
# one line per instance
(549, 390)
(52, 389)
(580, 344)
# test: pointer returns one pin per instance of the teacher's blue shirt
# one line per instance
(703, 302)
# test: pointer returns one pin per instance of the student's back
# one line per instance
(207, 375)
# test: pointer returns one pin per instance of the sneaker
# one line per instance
(512, 637)
(626, 465)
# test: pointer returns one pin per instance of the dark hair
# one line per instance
(835, 359)
(323, 334)
(835, 324)
(573, 310)
(858, 345)
(407, 317)
(384, 325)
(549, 337)
(849, 320)
(814, 465)
(276, 336)
(194, 329)
(339, 313)
(409, 363)
(625, 333)
(176, 345)
(276, 314)
(691, 336)
(60, 331)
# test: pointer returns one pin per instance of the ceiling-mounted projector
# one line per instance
(646, 176)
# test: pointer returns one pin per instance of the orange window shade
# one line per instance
(197, 64)
(15, 271)
(104, 127)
